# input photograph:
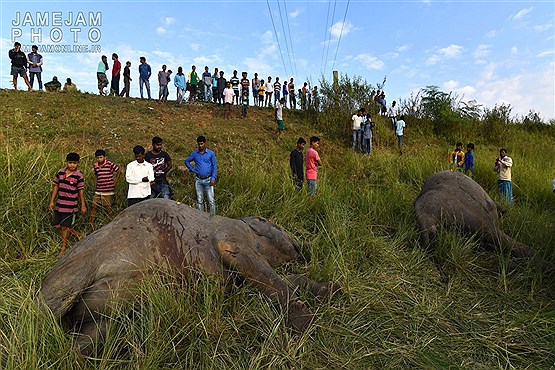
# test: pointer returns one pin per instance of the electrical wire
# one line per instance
(340, 34)
(277, 39)
(285, 38)
(290, 38)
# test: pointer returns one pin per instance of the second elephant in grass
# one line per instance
(456, 201)
(108, 264)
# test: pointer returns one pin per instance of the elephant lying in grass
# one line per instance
(109, 263)
(456, 201)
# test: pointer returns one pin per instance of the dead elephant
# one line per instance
(456, 201)
(112, 261)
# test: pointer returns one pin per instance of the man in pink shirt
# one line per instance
(312, 163)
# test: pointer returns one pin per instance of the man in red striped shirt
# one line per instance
(104, 171)
(68, 187)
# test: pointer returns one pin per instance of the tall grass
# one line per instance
(359, 231)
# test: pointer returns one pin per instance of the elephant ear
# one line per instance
(260, 226)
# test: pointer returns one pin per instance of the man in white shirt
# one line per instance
(356, 120)
(503, 166)
(139, 176)
(392, 114)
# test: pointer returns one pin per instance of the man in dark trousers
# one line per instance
(296, 163)
(162, 164)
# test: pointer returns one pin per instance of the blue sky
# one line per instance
(491, 51)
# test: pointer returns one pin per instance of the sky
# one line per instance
(493, 52)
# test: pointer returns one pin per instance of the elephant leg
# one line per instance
(91, 335)
(427, 234)
(321, 290)
(85, 320)
(258, 272)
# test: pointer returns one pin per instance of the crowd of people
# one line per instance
(22, 63)
(146, 178)
(192, 87)
(207, 87)
(362, 130)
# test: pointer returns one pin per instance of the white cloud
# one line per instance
(207, 60)
(403, 48)
(340, 28)
(450, 85)
(543, 27)
(518, 91)
(160, 30)
(514, 50)
(295, 13)
(369, 61)
(492, 34)
(391, 55)
(267, 37)
(450, 52)
(520, 14)
(453, 86)
(489, 72)
(168, 21)
(481, 51)
(194, 46)
(546, 53)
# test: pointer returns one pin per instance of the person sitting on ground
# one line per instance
(69, 86)
(53, 85)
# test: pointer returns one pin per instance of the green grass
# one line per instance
(359, 231)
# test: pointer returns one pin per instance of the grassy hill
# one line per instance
(358, 231)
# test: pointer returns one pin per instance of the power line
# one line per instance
(285, 38)
(329, 39)
(290, 38)
(277, 39)
(325, 36)
(340, 34)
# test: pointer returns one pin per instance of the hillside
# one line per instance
(359, 231)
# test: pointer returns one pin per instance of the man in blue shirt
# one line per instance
(205, 170)
(144, 75)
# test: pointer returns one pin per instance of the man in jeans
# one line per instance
(144, 74)
(356, 121)
(205, 170)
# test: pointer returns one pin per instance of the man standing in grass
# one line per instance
(469, 160)
(193, 80)
(139, 175)
(126, 80)
(116, 70)
(205, 170)
(163, 77)
(161, 163)
(296, 163)
(279, 117)
(503, 166)
(235, 82)
(104, 171)
(19, 65)
(35, 66)
(356, 123)
(456, 160)
(399, 131)
(144, 74)
(68, 187)
(312, 163)
(207, 82)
